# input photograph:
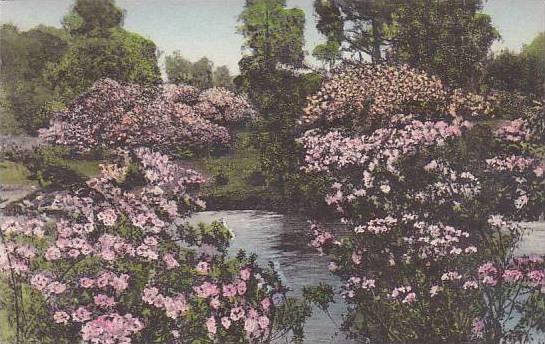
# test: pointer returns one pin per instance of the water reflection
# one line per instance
(282, 240)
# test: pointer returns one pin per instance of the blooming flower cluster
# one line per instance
(386, 140)
(114, 260)
(379, 91)
(111, 114)
(95, 245)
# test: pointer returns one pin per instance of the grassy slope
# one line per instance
(238, 165)
(12, 173)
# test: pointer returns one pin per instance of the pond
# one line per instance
(283, 240)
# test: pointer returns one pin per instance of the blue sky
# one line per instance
(208, 27)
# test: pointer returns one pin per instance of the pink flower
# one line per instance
(245, 274)
(237, 313)
(39, 281)
(333, 266)
(170, 261)
(52, 253)
(266, 304)
(111, 328)
(108, 217)
(211, 326)
(226, 322)
(512, 275)
(263, 322)
(356, 258)
(478, 327)
(81, 315)
(410, 298)
(56, 288)
(489, 280)
(470, 285)
(241, 288)
(229, 290)
(435, 290)
(102, 300)
(203, 267)
(120, 283)
(206, 289)
(215, 303)
(61, 317)
(86, 282)
(250, 325)
(151, 295)
(536, 276)
(103, 280)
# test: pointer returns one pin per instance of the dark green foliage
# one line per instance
(221, 179)
(450, 39)
(222, 77)
(200, 74)
(359, 24)
(178, 68)
(24, 57)
(320, 295)
(122, 56)
(328, 53)
(45, 67)
(256, 178)
(273, 34)
(524, 72)
(93, 17)
(46, 166)
(447, 38)
(278, 90)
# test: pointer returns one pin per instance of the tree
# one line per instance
(178, 69)
(523, 73)
(122, 55)
(201, 73)
(360, 25)
(329, 53)
(93, 17)
(329, 23)
(273, 34)
(274, 40)
(24, 57)
(450, 39)
(222, 77)
(534, 55)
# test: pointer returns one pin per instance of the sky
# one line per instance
(200, 28)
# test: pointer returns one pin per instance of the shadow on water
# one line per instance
(283, 240)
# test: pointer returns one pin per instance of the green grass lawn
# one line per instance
(12, 173)
(237, 166)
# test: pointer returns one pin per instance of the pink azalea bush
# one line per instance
(114, 260)
(111, 114)
(118, 265)
(432, 218)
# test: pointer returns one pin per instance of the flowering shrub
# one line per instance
(111, 114)
(432, 218)
(113, 260)
(378, 92)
